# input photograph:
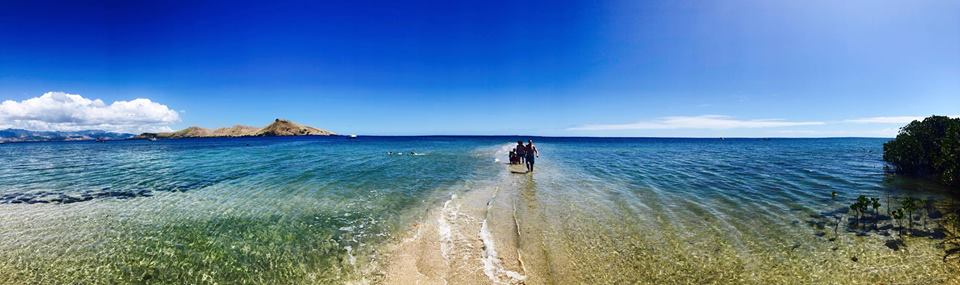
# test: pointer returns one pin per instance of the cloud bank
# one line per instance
(900, 120)
(707, 122)
(59, 111)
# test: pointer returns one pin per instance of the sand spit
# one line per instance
(472, 238)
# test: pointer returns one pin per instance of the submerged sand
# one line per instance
(471, 239)
(559, 225)
(521, 230)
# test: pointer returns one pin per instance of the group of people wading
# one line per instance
(524, 154)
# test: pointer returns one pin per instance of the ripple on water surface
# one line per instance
(733, 211)
(230, 210)
(316, 209)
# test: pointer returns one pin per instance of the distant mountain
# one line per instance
(20, 135)
(235, 131)
(287, 128)
(278, 128)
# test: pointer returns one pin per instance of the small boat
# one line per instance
(101, 140)
(352, 136)
(153, 139)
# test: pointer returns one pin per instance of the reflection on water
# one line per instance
(324, 210)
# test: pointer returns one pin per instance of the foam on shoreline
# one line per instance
(444, 229)
(492, 266)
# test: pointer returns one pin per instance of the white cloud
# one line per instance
(900, 120)
(69, 112)
(885, 133)
(711, 122)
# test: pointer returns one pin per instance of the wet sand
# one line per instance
(472, 239)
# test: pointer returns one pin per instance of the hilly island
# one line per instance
(279, 127)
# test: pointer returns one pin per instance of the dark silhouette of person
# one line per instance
(531, 153)
(520, 150)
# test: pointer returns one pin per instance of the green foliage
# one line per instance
(949, 164)
(927, 148)
(875, 203)
(860, 207)
(909, 205)
(898, 215)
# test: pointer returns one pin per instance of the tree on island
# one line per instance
(928, 148)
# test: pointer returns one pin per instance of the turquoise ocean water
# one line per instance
(331, 209)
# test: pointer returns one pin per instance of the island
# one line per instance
(279, 127)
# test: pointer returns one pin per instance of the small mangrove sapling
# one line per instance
(833, 197)
(875, 202)
(898, 217)
(909, 205)
(837, 225)
(859, 207)
(888, 205)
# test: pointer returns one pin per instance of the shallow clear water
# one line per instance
(327, 210)
(728, 211)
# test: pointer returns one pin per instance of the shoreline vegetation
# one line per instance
(895, 220)
(279, 127)
(927, 149)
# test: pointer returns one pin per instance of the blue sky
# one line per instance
(578, 68)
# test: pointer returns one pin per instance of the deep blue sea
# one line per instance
(445, 209)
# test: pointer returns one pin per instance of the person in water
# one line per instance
(520, 151)
(531, 152)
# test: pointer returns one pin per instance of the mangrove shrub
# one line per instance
(928, 148)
